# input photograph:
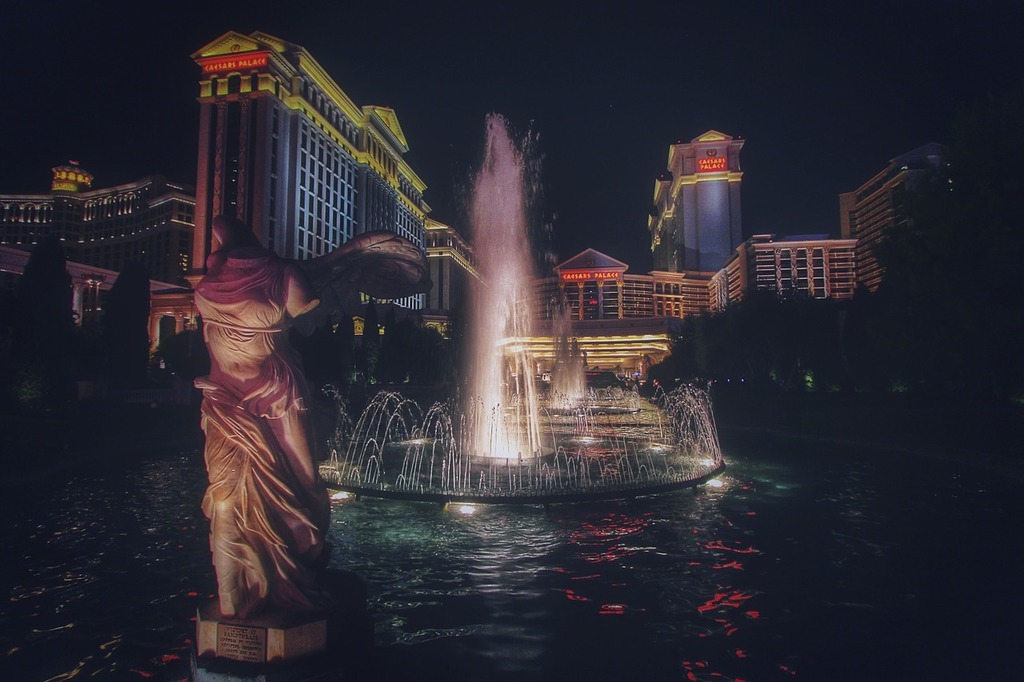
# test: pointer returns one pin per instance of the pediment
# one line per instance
(591, 260)
(273, 42)
(389, 119)
(712, 136)
(231, 42)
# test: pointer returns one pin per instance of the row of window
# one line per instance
(331, 113)
(325, 215)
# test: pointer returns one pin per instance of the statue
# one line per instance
(268, 508)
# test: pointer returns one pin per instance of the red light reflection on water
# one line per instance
(737, 547)
(613, 525)
(699, 671)
(603, 540)
(722, 599)
(572, 596)
(731, 564)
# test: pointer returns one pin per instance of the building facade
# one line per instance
(807, 266)
(609, 313)
(89, 284)
(878, 206)
(623, 322)
(149, 221)
(695, 222)
(452, 272)
(284, 149)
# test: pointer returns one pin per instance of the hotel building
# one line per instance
(695, 222)
(622, 322)
(149, 221)
(807, 266)
(612, 315)
(284, 149)
(878, 206)
(452, 272)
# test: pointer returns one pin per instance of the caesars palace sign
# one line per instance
(590, 275)
(247, 60)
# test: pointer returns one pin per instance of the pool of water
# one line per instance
(807, 561)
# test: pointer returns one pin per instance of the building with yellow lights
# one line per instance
(452, 272)
(149, 221)
(284, 149)
(870, 212)
(807, 266)
(695, 222)
(623, 322)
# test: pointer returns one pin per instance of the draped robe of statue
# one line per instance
(267, 506)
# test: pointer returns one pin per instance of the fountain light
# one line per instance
(509, 441)
(715, 483)
(416, 441)
(341, 496)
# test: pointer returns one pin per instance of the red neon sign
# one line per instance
(587, 275)
(248, 60)
(709, 164)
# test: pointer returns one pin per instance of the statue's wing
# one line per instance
(380, 264)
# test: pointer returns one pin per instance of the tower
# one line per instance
(695, 221)
(284, 149)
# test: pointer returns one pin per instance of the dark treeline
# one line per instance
(45, 355)
(389, 352)
(947, 319)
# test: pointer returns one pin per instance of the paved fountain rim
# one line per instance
(595, 494)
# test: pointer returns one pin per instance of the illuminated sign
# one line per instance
(73, 176)
(587, 275)
(249, 60)
(68, 179)
(709, 164)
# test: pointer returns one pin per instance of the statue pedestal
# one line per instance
(272, 637)
(331, 644)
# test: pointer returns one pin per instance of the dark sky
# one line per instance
(823, 94)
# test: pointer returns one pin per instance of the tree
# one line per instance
(950, 305)
(185, 354)
(370, 350)
(43, 328)
(126, 327)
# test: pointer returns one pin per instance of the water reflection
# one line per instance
(838, 567)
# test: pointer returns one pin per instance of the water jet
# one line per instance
(507, 442)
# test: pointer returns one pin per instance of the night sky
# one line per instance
(824, 95)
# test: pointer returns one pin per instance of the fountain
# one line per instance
(568, 387)
(507, 443)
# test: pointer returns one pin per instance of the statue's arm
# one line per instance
(299, 295)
